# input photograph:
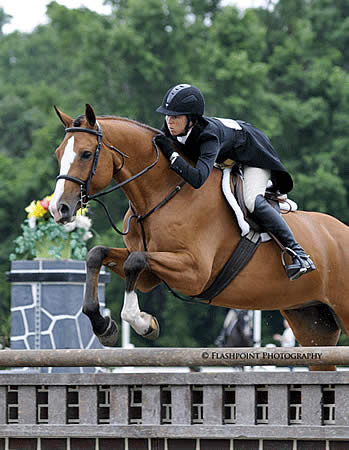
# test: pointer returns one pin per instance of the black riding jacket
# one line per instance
(215, 140)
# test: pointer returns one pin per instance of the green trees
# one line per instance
(307, 74)
(284, 69)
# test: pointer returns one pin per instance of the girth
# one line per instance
(241, 255)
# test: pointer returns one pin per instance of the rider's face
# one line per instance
(176, 124)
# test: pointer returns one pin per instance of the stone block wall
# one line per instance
(46, 306)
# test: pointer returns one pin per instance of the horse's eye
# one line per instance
(86, 154)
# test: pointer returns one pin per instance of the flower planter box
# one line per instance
(46, 306)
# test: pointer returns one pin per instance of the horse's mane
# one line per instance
(79, 119)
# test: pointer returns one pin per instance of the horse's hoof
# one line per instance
(110, 336)
(154, 330)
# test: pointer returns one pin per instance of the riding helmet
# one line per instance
(182, 99)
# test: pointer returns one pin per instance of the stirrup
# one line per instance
(302, 269)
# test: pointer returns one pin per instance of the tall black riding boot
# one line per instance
(271, 221)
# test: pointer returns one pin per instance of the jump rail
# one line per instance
(176, 357)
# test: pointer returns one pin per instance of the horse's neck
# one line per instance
(150, 188)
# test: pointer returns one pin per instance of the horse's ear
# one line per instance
(65, 119)
(90, 115)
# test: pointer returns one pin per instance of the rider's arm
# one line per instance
(196, 176)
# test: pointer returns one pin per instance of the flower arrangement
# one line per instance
(42, 237)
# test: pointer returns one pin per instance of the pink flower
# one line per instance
(45, 203)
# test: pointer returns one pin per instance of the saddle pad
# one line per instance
(244, 226)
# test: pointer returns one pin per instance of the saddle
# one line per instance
(252, 234)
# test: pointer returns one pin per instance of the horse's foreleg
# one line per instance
(144, 324)
(177, 269)
(104, 327)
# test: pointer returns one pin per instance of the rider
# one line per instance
(206, 140)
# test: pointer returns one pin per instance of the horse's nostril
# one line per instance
(64, 208)
(65, 212)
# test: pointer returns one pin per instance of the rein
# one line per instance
(85, 185)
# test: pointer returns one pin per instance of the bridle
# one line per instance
(85, 184)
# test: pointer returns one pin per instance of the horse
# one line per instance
(186, 235)
(236, 331)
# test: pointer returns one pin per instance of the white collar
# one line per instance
(182, 139)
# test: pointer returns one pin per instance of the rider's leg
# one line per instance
(272, 221)
(254, 183)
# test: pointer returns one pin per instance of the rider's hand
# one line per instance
(165, 144)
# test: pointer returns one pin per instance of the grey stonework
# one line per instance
(46, 307)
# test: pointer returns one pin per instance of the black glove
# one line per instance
(165, 144)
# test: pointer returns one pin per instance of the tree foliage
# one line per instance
(284, 68)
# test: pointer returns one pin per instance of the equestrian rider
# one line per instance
(206, 140)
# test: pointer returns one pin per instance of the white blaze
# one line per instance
(66, 162)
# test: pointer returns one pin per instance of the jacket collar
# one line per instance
(183, 139)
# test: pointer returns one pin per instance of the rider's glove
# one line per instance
(165, 144)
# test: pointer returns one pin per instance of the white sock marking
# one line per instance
(138, 320)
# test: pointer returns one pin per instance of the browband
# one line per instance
(85, 130)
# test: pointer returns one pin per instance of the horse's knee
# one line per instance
(133, 266)
(96, 256)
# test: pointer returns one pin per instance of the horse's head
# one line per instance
(78, 155)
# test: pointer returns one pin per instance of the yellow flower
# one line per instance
(35, 209)
(82, 212)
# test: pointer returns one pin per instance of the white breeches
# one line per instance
(255, 183)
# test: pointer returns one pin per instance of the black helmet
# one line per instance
(182, 99)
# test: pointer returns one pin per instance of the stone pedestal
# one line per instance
(46, 306)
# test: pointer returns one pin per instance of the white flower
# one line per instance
(83, 222)
(32, 222)
(87, 236)
(70, 226)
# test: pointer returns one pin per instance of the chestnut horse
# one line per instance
(190, 238)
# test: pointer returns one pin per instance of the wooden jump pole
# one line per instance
(176, 357)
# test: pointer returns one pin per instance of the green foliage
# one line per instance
(284, 69)
(53, 237)
(4, 19)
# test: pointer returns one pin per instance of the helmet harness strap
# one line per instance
(187, 126)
